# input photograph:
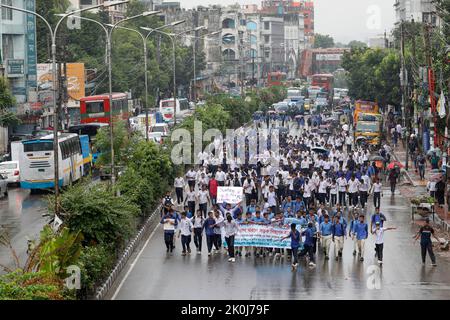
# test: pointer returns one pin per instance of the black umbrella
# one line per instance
(319, 150)
(376, 158)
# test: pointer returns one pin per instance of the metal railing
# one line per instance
(131, 247)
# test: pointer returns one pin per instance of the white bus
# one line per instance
(37, 162)
(166, 109)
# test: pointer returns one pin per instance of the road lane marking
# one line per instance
(134, 263)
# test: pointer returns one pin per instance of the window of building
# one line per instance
(8, 46)
(87, 2)
(267, 54)
(266, 25)
(228, 23)
(228, 39)
(253, 39)
(228, 55)
(251, 25)
(266, 39)
(7, 13)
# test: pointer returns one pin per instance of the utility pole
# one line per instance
(158, 59)
(404, 84)
(431, 84)
(413, 38)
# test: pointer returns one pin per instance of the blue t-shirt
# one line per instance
(295, 239)
(309, 235)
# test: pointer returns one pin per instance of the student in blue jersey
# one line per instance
(308, 245)
(209, 231)
(298, 204)
(252, 207)
(295, 244)
(189, 214)
(377, 217)
(289, 213)
(325, 232)
(227, 207)
(361, 233)
(170, 222)
(351, 231)
(198, 222)
(338, 235)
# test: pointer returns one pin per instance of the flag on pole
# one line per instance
(441, 105)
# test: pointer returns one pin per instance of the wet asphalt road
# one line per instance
(157, 276)
(21, 217)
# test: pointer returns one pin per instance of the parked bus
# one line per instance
(90, 130)
(97, 108)
(276, 78)
(37, 162)
(166, 109)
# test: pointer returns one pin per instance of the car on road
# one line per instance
(156, 137)
(11, 170)
(162, 128)
(3, 185)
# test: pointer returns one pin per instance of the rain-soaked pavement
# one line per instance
(21, 217)
(156, 276)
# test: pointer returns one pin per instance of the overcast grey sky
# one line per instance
(344, 20)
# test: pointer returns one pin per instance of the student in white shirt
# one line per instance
(185, 229)
(342, 189)
(379, 240)
(179, 187)
(377, 193)
(353, 186)
(198, 222)
(203, 199)
(333, 192)
(363, 191)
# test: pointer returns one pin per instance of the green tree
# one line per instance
(356, 44)
(323, 41)
(98, 214)
(7, 101)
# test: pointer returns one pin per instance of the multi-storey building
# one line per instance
(18, 51)
(417, 10)
(252, 41)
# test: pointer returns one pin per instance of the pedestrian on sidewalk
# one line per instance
(434, 160)
(431, 188)
(426, 244)
(295, 244)
(185, 230)
(440, 191)
(421, 164)
(393, 177)
(379, 240)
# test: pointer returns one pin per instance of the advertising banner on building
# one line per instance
(75, 81)
(31, 44)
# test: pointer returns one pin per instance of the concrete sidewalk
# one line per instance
(419, 188)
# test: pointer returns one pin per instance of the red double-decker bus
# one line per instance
(276, 78)
(97, 108)
(325, 81)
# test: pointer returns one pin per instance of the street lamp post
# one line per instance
(194, 57)
(172, 39)
(111, 108)
(54, 75)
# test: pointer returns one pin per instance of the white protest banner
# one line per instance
(232, 195)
